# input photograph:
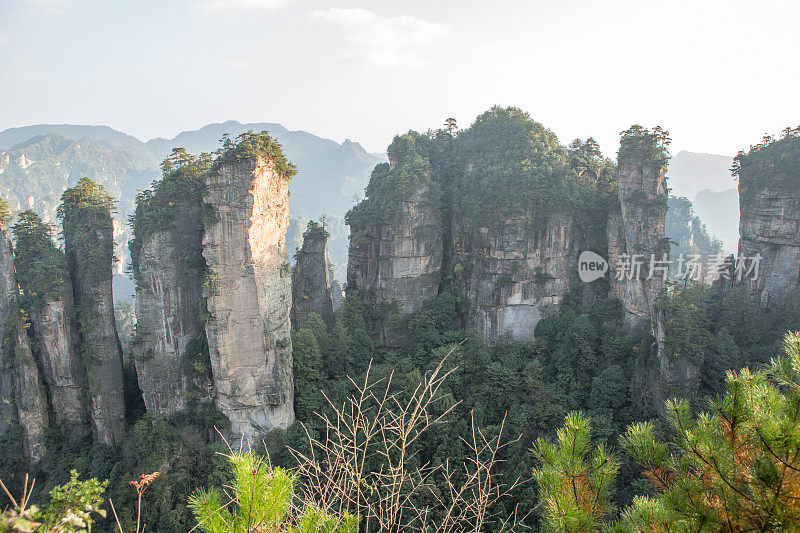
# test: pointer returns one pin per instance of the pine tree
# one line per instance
(734, 468)
(260, 499)
(575, 484)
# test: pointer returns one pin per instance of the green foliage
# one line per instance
(260, 501)
(251, 146)
(85, 212)
(688, 233)
(515, 167)
(576, 482)
(734, 468)
(396, 182)
(183, 183)
(5, 212)
(307, 360)
(772, 163)
(73, 504)
(41, 267)
(640, 142)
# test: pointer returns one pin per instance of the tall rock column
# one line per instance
(311, 291)
(47, 296)
(636, 238)
(635, 227)
(769, 227)
(89, 245)
(8, 303)
(23, 399)
(171, 348)
(248, 287)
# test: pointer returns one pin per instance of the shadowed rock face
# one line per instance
(168, 297)
(770, 226)
(249, 297)
(23, 399)
(518, 275)
(8, 292)
(62, 368)
(311, 290)
(98, 336)
(400, 262)
(30, 397)
(636, 227)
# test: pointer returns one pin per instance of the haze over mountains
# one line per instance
(38, 162)
(705, 179)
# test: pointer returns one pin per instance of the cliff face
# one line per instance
(770, 226)
(23, 399)
(29, 396)
(770, 219)
(311, 285)
(8, 294)
(636, 237)
(169, 326)
(249, 296)
(495, 215)
(89, 246)
(400, 261)
(62, 368)
(517, 275)
(636, 228)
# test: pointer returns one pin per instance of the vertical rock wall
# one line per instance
(89, 246)
(401, 262)
(62, 368)
(30, 396)
(636, 231)
(311, 291)
(636, 228)
(23, 399)
(8, 296)
(516, 275)
(168, 298)
(769, 199)
(249, 296)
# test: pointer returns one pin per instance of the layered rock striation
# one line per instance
(769, 199)
(637, 244)
(171, 351)
(248, 293)
(46, 295)
(495, 216)
(311, 284)
(23, 399)
(89, 247)
(518, 275)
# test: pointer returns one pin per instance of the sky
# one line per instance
(716, 74)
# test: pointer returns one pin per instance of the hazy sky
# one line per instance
(717, 74)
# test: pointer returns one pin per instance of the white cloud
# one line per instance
(3, 38)
(235, 64)
(43, 8)
(385, 41)
(211, 6)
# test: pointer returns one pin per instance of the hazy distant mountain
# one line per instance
(330, 177)
(706, 180)
(690, 173)
(720, 213)
(38, 162)
(111, 138)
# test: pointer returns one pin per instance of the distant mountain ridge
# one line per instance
(38, 162)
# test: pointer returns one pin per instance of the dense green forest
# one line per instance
(474, 420)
